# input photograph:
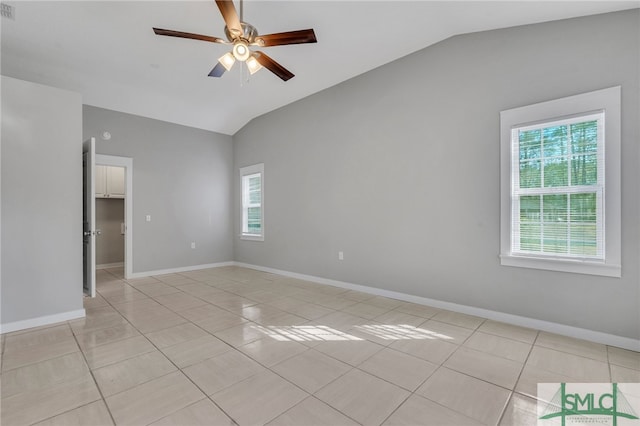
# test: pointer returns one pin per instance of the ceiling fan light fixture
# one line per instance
(227, 60)
(242, 35)
(253, 65)
(241, 51)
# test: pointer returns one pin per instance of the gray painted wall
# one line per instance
(182, 177)
(399, 168)
(41, 201)
(110, 242)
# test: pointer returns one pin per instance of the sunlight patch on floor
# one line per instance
(400, 332)
(308, 333)
(304, 333)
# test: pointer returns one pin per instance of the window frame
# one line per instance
(245, 173)
(518, 191)
(605, 101)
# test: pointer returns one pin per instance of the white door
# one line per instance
(89, 217)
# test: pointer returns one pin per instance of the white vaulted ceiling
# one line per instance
(108, 52)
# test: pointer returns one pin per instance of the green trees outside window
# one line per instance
(558, 176)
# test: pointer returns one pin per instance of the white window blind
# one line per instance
(252, 182)
(558, 188)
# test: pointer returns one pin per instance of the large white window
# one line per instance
(252, 181)
(560, 184)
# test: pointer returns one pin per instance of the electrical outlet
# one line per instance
(340, 255)
(193, 245)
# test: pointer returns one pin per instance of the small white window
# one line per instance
(252, 181)
(560, 173)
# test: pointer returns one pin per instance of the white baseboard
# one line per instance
(180, 269)
(565, 330)
(40, 321)
(110, 265)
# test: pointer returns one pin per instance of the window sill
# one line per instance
(571, 266)
(251, 237)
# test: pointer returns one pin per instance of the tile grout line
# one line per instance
(312, 395)
(372, 355)
(511, 391)
(318, 399)
(248, 287)
(398, 407)
(206, 396)
(474, 330)
(413, 392)
(573, 353)
(95, 382)
(232, 348)
(609, 364)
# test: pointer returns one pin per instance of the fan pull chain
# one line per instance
(243, 71)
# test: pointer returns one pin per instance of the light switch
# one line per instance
(148, 218)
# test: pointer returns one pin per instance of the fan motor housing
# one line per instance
(249, 33)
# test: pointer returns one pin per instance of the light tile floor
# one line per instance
(233, 346)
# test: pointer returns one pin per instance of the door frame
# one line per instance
(127, 163)
(88, 217)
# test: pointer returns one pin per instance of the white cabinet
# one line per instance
(109, 182)
(100, 181)
(115, 182)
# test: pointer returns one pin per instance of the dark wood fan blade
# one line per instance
(273, 66)
(289, 37)
(181, 34)
(217, 71)
(230, 16)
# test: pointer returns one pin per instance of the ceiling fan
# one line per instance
(242, 35)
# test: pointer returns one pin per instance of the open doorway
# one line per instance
(114, 230)
(110, 221)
